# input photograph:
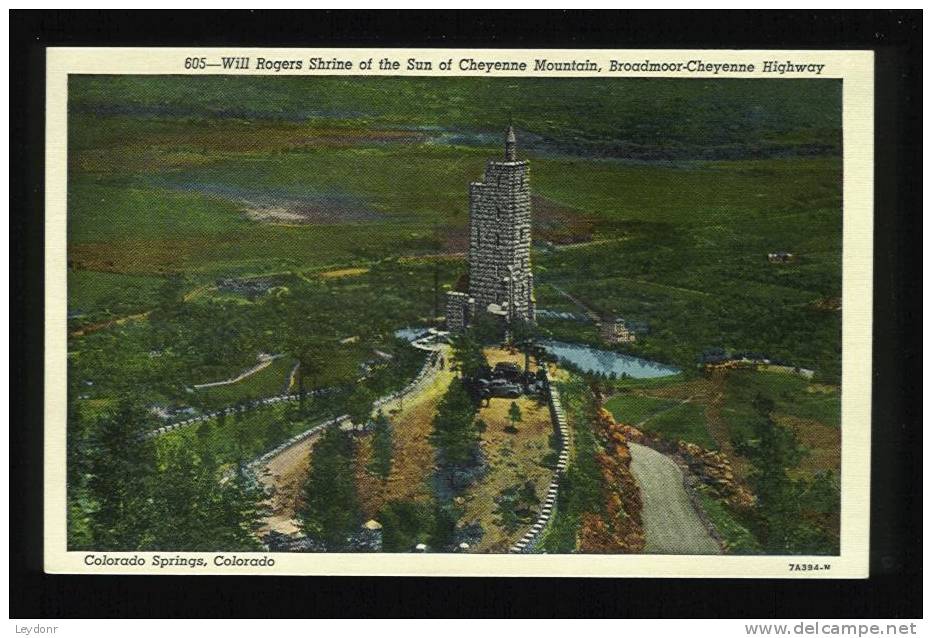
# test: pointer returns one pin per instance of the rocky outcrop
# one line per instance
(618, 528)
(714, 469)
(706, 466)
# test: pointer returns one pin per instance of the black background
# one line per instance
(894, 588)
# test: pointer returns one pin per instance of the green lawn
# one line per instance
(245, 436)
(634, 408)
(102, 211)
(792, 395)
(685, 422)
(269, 381)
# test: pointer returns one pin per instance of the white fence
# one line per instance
(165, 429)
(257, 463)
(429, 364)
(530, 539)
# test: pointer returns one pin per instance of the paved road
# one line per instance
(671, 525)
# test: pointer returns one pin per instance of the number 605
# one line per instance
(195, 63)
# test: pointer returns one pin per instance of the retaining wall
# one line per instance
(230, 410)
(428, 364)
(529, 541)
(255, 464)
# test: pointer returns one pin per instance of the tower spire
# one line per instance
(511, 145)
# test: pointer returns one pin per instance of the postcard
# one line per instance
(458, 312)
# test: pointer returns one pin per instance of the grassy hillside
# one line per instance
(667, 115)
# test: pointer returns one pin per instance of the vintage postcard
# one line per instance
(458, 312)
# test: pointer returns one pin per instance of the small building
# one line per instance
(615, 330)
(370, 536)
(781, 258)
(461, 309)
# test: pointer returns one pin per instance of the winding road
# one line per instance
(284, 473)
(671, 524)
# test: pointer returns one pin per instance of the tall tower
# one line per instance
(500, 279)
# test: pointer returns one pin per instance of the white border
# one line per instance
(855, 68)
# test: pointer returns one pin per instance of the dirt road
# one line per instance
(671, 525)
(286, 473)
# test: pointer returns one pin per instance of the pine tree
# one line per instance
(382, 447)
(275, 431)
(514, 415)
(359, 407)
(121, 464)
(331, 512)
(469, 355)
(200, 506)
(773, 450)
(455, 435)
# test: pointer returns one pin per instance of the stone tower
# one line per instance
(500, 279)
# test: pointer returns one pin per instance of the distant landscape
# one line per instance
(214, 222)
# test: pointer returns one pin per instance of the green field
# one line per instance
(668, 419)
(243, 437)
(167, 179)
(685, 422)
(642, 112)
(633, 409)
(94, 296)
(791, 394)
(270, 381)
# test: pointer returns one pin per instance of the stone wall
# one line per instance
(460, 310)
(529, 541)
(230, 410)
(254, 465)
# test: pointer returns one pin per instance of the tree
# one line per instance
(320, 363)
(78, 470)
(276, 431)
(382, 447)
(203, 430)
(359, 407)
(514, 415)
(524, 335)
(121, 464)
(171, 293)
(407, 523)
(200, 507)
(773, 449)
(455, 435)
(469, 355)
(404, 525)
(311, 363)
(331, 512)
